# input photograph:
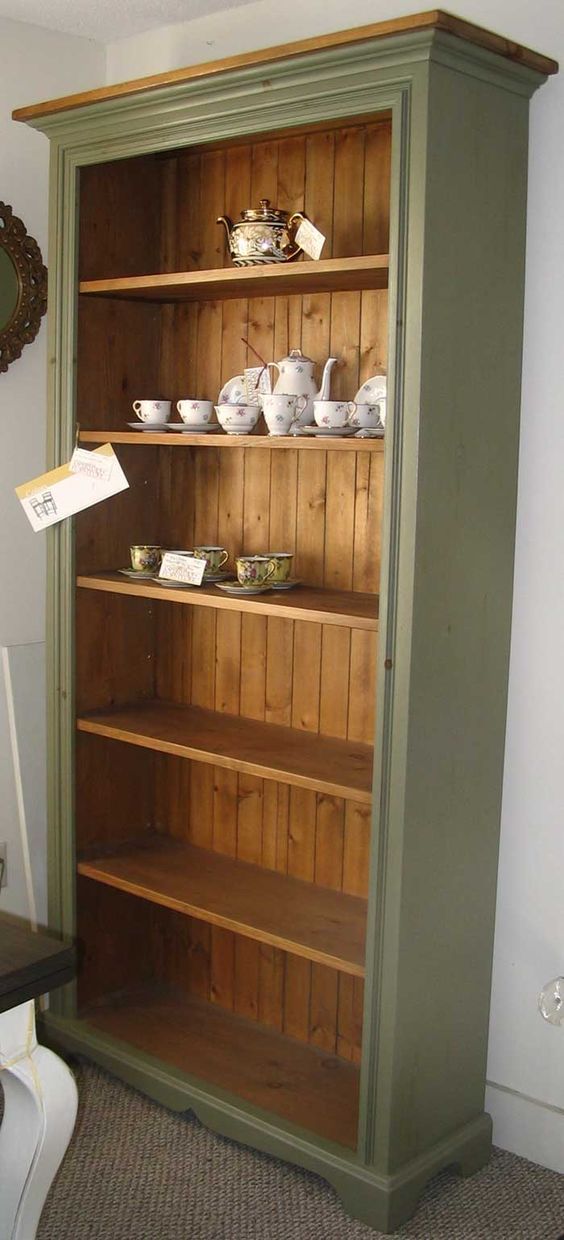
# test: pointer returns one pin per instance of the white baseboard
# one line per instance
(527, 1127)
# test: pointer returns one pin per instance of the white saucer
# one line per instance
(144, 574)
(372, 392)
(330, 432)
(286, 585)
(199, 428)
(150, 428)
(233, 392)
(170, 584)
(212, 579)
(370, 432)
(235, 587)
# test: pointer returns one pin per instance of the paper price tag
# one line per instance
(187, 568)
(310, 239)
(92, 464)
(62, 492)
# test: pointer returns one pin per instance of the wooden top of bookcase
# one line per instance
(434, 19)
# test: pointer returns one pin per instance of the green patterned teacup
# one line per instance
(145, 559)
(282, 561)
(215, 558)
(254, 570)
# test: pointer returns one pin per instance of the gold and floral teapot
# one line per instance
(265, 235)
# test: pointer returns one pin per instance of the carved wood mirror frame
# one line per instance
(23, 287)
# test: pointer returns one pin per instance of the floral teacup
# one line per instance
(152, 410)
(145, 559)
(281, 411)
(215, 558)
(254, 570)
(282, 561)
(333, 412)
(238, 419)
(194, 411)
(366, 415)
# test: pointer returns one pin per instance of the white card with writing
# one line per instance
(187, 568)
(310, 239)
(97, 465)
(87, 479)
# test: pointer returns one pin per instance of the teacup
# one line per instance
(254, 570)
(145, 559)
(238, 419)
(281, 411)
(333, 412)
(152, 410)
(215, 558)
(366, 415)
(194, 411)
(282, 561)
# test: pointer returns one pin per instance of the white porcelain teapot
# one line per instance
(296, 378)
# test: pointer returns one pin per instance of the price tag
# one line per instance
(310, 239)
(87, 479)
(92, 464)
(187, 568)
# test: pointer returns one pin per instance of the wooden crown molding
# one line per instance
(435, 19)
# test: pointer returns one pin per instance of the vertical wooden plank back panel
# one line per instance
(105, 774)
(115, 650)
(323, 506)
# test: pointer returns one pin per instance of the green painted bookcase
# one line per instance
(274, 821)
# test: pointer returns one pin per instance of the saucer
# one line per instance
(329, 432)
(145, 573)
(235, 587)
(372, 392)
(197, 428)
(153, 428)
(233, 392)
(170, 584)
(212, 579)
(286, 585)
(370, 432)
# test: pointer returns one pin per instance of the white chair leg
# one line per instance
(40, 1103)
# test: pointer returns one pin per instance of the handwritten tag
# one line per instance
(92, 464)
(64, 491)
(187, 568)
(310, 239)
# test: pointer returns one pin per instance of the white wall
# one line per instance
(526, 1056)
(35, 64)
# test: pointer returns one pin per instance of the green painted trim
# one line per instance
(431, 84)
(382, 1202)
(262, 89)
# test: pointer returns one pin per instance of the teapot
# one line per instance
(265, 235)
(296, 378)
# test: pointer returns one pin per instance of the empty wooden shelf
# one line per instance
(302, 1085)
(310, 921)
(306, 757)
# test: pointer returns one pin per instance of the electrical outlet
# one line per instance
(3, 865)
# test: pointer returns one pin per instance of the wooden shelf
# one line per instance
(347, 444)
(327, 275)
(289, 755)
(314, 922)
(341, 607)
(301, 1084)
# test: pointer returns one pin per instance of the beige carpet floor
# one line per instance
(135, 1171)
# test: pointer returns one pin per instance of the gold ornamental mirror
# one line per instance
(23, 287)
